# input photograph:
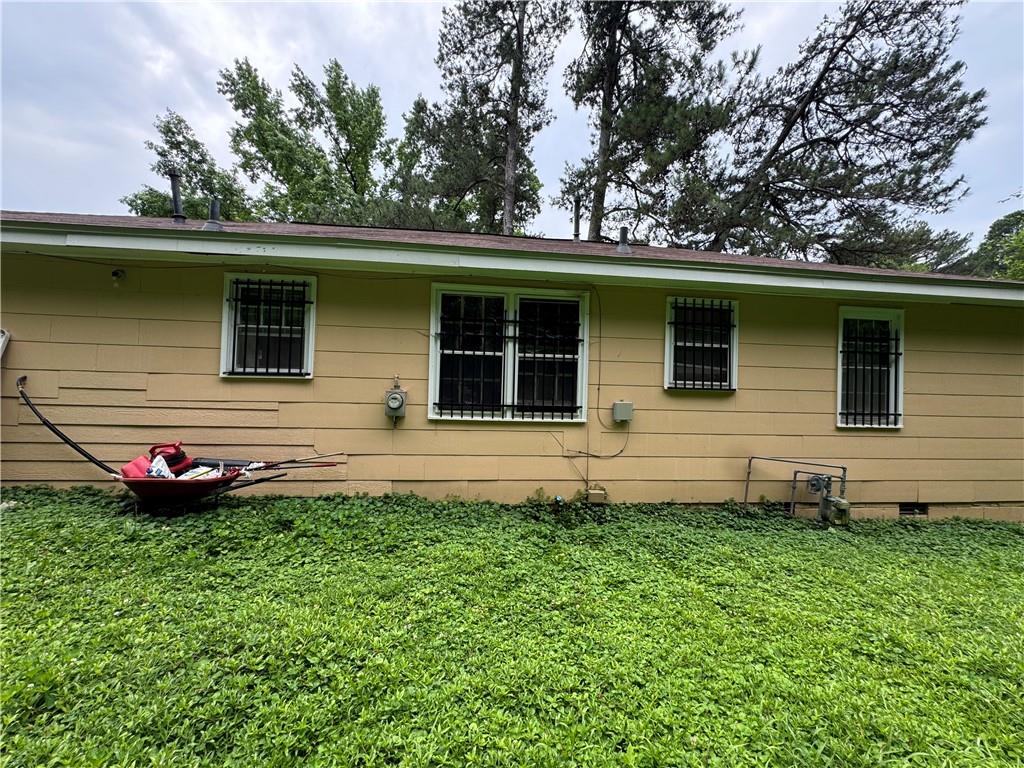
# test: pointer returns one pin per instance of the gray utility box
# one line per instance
(622, 410)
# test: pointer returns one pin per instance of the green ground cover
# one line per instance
(396, 631)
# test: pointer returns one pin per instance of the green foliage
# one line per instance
(834, 155)
(1001, 253)
(315, 162)
(501, 52)
(378, 631)
(449, 171)
(639, 65)
(179, 149)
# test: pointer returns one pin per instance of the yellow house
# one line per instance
(521, 363)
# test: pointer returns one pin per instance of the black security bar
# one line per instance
(702, 344)
(871, 384)
(481, 345)
(268, 334)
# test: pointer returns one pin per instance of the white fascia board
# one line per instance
(239, 249)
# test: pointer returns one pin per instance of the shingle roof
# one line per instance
(442, 240)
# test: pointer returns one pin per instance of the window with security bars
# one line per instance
(268, 326)
(870, 368)
(508, 355)
(701, 344)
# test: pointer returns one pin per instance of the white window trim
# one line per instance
(227, 324)
(895, 317)
(734, 345)
(511, 294)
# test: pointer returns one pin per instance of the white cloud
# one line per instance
(82, 84)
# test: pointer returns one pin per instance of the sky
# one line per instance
(81, 84)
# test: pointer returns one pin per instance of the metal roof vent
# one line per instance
(213, 223)
(576, 218)
(177, 213)
(623, 246)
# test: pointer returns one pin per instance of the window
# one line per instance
(870, 367)
(268, 326)
(508, 354)
(700, 344)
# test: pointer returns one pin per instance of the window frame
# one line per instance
(895, 318)
(669, 383)
(228, 325)
(510, 374)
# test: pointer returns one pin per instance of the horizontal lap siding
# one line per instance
(138, 364)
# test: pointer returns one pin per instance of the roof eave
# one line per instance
(231, 248)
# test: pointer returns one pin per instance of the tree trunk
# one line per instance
(611, 77)
(515, 97)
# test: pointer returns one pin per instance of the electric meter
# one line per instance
(394, 402)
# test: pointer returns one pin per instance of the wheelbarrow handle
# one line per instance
(247, 483)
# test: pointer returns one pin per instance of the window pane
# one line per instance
(472, 323)
(549, 327)
(701, 364)
(469, 384)
(547, 386)
(703, 324)
(266, 352)
(472, 347)
(702, 335)
(547, 353)
(869, 359)
(269, 334)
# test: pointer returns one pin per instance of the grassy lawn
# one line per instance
(358, 631)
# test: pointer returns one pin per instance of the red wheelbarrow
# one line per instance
(203, 477)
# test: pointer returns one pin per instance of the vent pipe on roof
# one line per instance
(176, 210)
(213, 223)
(623, 246)
(576, 218)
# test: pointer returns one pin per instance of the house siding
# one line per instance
(125, 367)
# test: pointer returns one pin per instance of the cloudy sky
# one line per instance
(82, 83)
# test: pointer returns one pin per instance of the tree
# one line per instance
(494, 57)
(634, 55)
(834, 155)
(179, 149)
(1000, 254)
(407, 192)
(447, 172)
(316, 161)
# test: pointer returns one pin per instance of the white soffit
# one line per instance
(249, 250)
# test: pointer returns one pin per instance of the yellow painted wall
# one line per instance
(125, 367)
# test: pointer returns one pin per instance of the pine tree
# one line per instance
(447, 171)
(834, 155)
(494, 57)
(635, 54)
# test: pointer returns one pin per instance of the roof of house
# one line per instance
(443, 240)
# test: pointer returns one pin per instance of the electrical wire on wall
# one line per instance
(221, 265)
(569, 453)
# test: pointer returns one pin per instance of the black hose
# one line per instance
(20, 383)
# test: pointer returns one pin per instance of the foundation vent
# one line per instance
(913, 508)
